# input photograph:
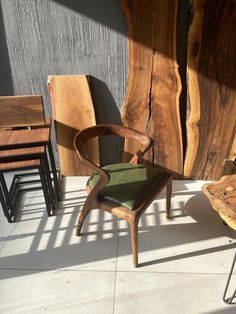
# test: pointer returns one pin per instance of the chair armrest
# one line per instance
(104, 177)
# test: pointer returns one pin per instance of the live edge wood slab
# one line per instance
(72, 111)
(152, 96)
(211, 112)
(222, 196)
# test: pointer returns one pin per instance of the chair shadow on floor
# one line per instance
(52, 243)
(204, 217)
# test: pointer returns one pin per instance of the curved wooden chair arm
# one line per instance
(79, 140)
(112, 129)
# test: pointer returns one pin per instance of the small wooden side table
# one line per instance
(222, 196)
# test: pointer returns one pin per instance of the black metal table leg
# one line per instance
(230, 299)
(45, 191)
(48, 180)
(6, 193)
(54, 171)
(4, 205)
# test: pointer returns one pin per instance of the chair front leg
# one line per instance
(134, 239)
(88, 206)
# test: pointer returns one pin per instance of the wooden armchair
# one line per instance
(125, 189)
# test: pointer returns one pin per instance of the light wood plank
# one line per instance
(72, 111)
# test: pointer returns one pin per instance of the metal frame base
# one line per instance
(8, 197)
(232, 299)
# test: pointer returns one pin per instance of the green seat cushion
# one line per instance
(128, 183)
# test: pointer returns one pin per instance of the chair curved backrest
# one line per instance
(109, 129)
(112, 129)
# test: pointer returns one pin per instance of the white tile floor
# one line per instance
(44, 267)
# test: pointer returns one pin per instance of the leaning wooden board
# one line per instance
(72, 111)
(211, 119)
(152, 96)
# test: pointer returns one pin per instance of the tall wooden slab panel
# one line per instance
(135, 110)
(165, 125)
(72, 111)
(152, 96)
(211, 120)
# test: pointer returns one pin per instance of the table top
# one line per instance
(222, 196)
(24, 137)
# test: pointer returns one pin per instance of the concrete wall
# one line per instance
(66, 37)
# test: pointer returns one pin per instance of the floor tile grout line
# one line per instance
(170, 272)
(110, 271)
(57, 270)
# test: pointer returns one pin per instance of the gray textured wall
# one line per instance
(65, 37)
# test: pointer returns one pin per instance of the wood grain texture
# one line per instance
(11, 139)
(72, 111)
(222, 196)
(165, 125)
(229, 167)
(39, 150)
(19, 164)
(211, 120)
(135, 111)
(152, 95)
(21, 111)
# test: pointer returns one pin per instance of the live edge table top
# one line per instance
(222, 196)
